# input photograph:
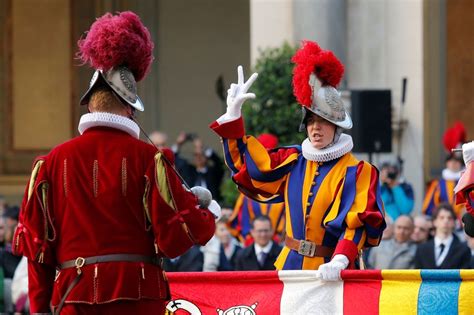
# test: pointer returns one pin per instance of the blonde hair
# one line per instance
(104, 100)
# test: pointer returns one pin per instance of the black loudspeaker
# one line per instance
(372, 117)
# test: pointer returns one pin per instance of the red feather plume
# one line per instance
(268, 140)
(118, 40)
(310, 58)
(454, 136)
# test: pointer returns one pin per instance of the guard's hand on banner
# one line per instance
(237, 94)
(331, 271)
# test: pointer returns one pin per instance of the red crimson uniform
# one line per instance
(100, 194)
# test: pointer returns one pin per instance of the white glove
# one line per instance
(215, 209)
(203, 195)
(468, 152)
(331, 271)
(237, 95)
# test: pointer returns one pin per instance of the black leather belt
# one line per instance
(308, 248)
(80, 262)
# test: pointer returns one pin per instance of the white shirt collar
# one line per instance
(343, 146)
(108, 120)
(447, 241)
(441, 256)
(266, 249)
(447, 174)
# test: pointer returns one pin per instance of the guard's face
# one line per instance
(320, 131)
(454, 165)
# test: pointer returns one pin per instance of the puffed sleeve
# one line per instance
(259, 173)
(357, 214)
(176, 218)
(34, 237)
(35, 234)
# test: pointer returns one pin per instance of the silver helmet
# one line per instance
(326, 103)
(121, 81)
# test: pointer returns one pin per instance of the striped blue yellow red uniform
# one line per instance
(247, 209)
(334, 204)
(440, 191)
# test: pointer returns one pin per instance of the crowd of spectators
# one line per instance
(412, 239)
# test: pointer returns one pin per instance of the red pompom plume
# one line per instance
(118, 40)
(268, 140)
(454, 136)
(310, 58)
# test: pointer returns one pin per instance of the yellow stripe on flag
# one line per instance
(397, 286)
(465, 302)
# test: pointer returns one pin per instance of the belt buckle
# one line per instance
(307, 248)
(79, 263)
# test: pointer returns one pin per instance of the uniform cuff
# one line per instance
(346, 248)
(230, 130)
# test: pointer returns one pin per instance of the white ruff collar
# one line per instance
(447, 174)
(342, 146)
(108, 120)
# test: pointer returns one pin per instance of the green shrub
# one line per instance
(274, 110)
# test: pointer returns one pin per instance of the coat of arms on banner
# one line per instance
(175, 306)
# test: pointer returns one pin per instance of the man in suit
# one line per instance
(397, 252)
(263, 252)
(445, 250)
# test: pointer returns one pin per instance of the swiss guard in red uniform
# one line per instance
(101, 210)
(464, 190)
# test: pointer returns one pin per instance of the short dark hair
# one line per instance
(262, 218)
(222, 220)
(445, 207)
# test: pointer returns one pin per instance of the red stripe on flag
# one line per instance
(213, 291)
(361, 291)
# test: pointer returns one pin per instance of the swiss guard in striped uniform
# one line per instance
(332, 200)
(442, 190)
(247, 209)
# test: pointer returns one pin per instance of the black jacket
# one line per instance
(213, 176)
(247, 260)
(458, 257)
(192, 260)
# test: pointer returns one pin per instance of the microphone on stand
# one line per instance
(400, 125)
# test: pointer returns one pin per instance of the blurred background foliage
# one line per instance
(274, 110)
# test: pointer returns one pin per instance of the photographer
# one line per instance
(207, 169)
(397, 196)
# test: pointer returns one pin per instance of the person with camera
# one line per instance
(397, 196)
(207, 168)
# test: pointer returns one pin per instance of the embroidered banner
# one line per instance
(301, 292)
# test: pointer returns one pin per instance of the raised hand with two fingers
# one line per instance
(237, 95)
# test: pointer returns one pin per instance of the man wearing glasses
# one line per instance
(263, 252)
